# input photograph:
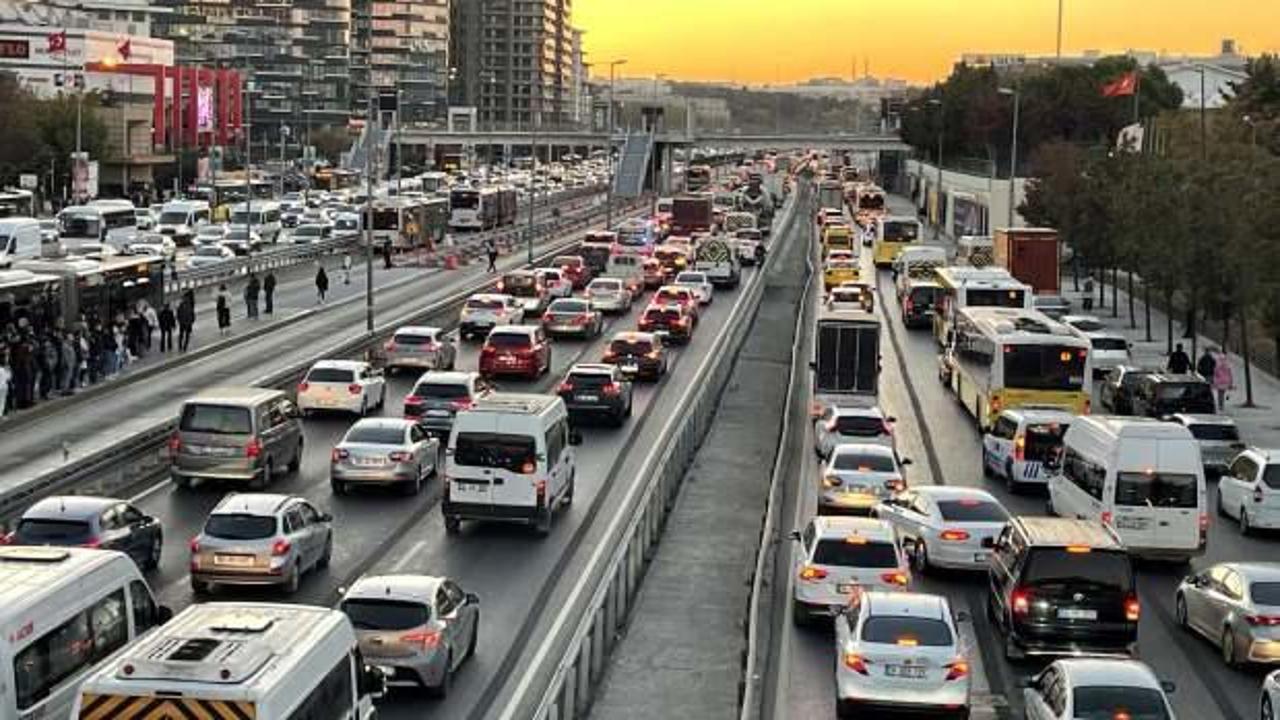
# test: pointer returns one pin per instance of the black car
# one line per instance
(638, 355)
(1161, 394)
(1062, 586)
(438, 396)
(95, 522)
(597, 390)
(1116, 393)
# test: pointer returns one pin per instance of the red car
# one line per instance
(675, 295)
(515, 350)
(575, 268)
(674, 322)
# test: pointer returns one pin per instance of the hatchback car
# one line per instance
(838, 556)
(209, 255)
(674, 323)
(260, 539)
(835, 425)
(1161, 394)
(698, 282)
(422, 628)
(1115, 394)
(383, 451)
(485, 311)
(571, 316)
(920, 302)
(556, 282)
(637, 355)
(857, 476)
(609, 295)
(527, 289)
(1218, 438)
(95, 522)
(945, 527)
(1075, 688)
(439, 396)
(597, 390)
(515, 350)
(352, 386)
(420, 346)
(1023, 446)
(574, 268)
(1236, 606)
(1250, 490)
(900, 652)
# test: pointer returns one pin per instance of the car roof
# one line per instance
(926, 605)
(851, 411)
(1257, 571)
(606, 281)
(69, 506)
(836, 527)
(382, 422)
(417, 330)
(514, 329)
(954, 492)
(1203, 419)
(633, 336)
(340, 364)
(863, 449)
(395, 587)
(592, 369)
(1061, 532)
(252, 504)
(1108, 671)
(571, 300)
(236, 395)
(449, 377)
(1174, 377)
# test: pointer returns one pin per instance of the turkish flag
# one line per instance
(1126, 84)
(125, 49)
(57, 42)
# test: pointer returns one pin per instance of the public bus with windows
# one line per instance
(963, 286)
(334, 179)
(893, 233)
(1001, 358)
(101, 222)
(697, 177)
(409, 223)
(17, 203)
(473, 208)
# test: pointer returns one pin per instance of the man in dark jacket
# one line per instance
(167, 323)
(269, 291)
(186, 320)
(1179, 363)
(251, 297)
(1206, 365)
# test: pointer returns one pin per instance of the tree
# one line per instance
(330, 142)
(1257, 98)
(55, 120)
(18, 128)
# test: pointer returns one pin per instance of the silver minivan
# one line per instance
(245, 435)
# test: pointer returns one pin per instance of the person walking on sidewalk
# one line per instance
(1223, 380)
(386, 254)
(346, 268)
(251, 290)
(1179, 363)
(152, 322)
(186, 320)
(224, 311)
(167, 322)
(269, 291)
(491, 249)
(322, 281)
(1205, 365)
(5, 376)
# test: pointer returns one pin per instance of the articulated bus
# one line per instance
(1001, 358)
(481, 208)
(893, 233)
(963, 286)
(409, 222)
(697, 177)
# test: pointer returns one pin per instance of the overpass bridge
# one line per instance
(509, 140)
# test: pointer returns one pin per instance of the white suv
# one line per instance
(1250, 490)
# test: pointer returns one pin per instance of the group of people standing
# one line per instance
(1214, 367)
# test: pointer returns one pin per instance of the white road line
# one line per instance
(405, 559)
(149, 492)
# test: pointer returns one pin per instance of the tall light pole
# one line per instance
(1013, 147)
(608, 208)
(653, 157)
(1059, 52)
(370, 165)
(937, 228)
(535, 112)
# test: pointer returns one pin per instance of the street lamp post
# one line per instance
(608, 209)
(1059, 52)
(1013, 147)
(937, 228)
(653, 158)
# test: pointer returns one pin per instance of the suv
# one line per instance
(260, 539)
(1062, 586)
(1115, 394)
(239, 434)
(438, 396)
(1161, 394)
(1218, 437)
(1023, 445)
(527, 288)
(515, 350)
(597, 389)
(485, 311)
(638, 355)
(1250, 490)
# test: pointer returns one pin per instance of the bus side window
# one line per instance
(331, 699)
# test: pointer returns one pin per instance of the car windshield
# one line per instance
(972, 510)
(606, 286)
(915, 631)
(330, 375)
(1103, 702)
(1156, 489)
(1043, 440)
(515, 453)
(569, 306)
(380, 614)
(39, 531)
(630, 347)
(1109, 343)
(1171, 391)
(1063, 566)
(209, 251)
(509, 340)
(1130, 379)
(567, 262)
(1087, 325)
(863, 461)
(441, 391)
(375, 435)
(860, 426)
(1032, 366)
(216, 419)
(987, 297)
(238, 526)
(1222, 432)
(212, 231)
(484, 304)
(1271, 476)
(413, 339)
(520, 285)
(174, 217)
(856, 554)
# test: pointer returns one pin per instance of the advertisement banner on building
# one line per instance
(968, 215)
(80, 176)
(204, 109)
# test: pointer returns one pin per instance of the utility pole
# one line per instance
(535, 116)
(1059, 52)
(608, 208)
(248, 148)
(937, 228)
(1013, 148)
(375, 115)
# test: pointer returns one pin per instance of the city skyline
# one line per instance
(720, 40)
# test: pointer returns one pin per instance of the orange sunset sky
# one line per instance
(768, 41)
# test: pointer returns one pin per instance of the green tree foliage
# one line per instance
(40, 133)
(1257, 98)
(331, 142)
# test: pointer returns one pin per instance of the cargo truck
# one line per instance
(691, 214)
(1030, 255)
(846, 364)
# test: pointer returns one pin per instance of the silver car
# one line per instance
(420, 346)
(1218, 437)
(609, 295)
(485, 311)
(421, 627)
(383, 451)
(260, 539)
(1235, 606)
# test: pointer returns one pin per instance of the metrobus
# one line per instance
(697, 177)
(334, 179)
(434, 181)
(964, 286)
(481, 208)
(868, 204)
(893, 233)
(17, 203)
(404, 222)
(109, 222)
(1001, 358)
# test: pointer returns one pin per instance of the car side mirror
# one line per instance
(963, 616)
(575, 437)
(1168, 686)
(794, 535)
(905, 462)
(164, 614)
(326, 517)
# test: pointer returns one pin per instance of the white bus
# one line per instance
(1001, 358)
(473, 208)
(238, 660)
(964, 286)
(261, 215)
(101, 222)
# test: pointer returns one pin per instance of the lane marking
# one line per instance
(404, 560)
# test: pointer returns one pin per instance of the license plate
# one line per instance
(370, 461)
(588, 398)
(1077, 614)
(437, 413)
(910, 672)
(979, 557)
(1131, 523)
(233, 560)
(846, 587)
(630, 368)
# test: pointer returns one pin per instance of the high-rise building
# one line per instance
(514, 61)
(580, 92)
(404, 44)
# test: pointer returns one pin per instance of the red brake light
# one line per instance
(412, 400)
(339, 454)
(354, 388)
(253, 449)
(1132, 608)
(957, 669)
(1106, 517)
(460, 404)
(400, 456)
(281, 547)
(194, 544)
(6, 539)
(391, 346)
(856, 663)
(1020, 448)
(304, 386)
(546, 317)
(427, 639)
(612, 389)
(95, 542)
(895, 578)
(1263, 620)
(566, 386)
(955, 535)
(581, 319)
(609, 355)
(175, 444)
(1020, 601)
(811, 573)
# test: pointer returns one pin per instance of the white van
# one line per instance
(628, 268)
(238, 660)
(1141, 476)
(63, 611)
(19, 240)
(180, 219)
(263, 216)
(510, 458)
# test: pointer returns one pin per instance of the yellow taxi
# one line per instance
(835, 272)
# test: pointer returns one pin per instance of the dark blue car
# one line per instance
(95, 522)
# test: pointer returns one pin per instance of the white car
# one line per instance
(1022, 444)
(1109, 349)
(485, 311)
(1250, 490)
(554, 280)
(211, 234)
(1270, 699)
(837, 425)
(900, 651)
(948, 527)
(842, 555)
(351, 386)
(1236, 606)
(859, 475)
(420, 346)
(699, 283)
(609, 295)
(1096, 688)
(206, 255)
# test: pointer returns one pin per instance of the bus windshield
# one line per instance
(80, 225)
(901, 231)
(386, 219)
(1044, 367)
(465, 200)
(975, 297)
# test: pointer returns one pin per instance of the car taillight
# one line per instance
(581, 319)
(412, 400)
(460, 404)
(354, 388)
(1106, 517)
(1020, 448)
(339, 454)
(894, 578)
(612, 389)
(954, 535)
(609, 356)
(566, 387)
(281, 547)
(895, 485)
(94, 542)
(957, 669)
(548, 318)
(540, 489)
(498, 287)
(831, 481)
(1262, 620)
(1020, 601)
(194, 545)
(488, 350)
(303, 387)
(427, 639)
(6, 539)
(390, 346)
(653, 355)
(253, 448)
(812, 573)
(908, 306)
(1132, 608)
(855, 662)
(400, 456)
(175, 444)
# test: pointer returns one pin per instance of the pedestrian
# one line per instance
(50, 356)
(491, 249)
(67, 364)
(386, 254)
(186, 320)
(1205, 365)
(1179, 363)
(6, 376)
(322, 281)
(1223, 380)
(223, 307)
(346, 268)
(251, 290)
(136, 332)
(152, 322)
(269, 291)
(167, 322)
(107, 351)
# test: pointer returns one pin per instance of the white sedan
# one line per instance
(698, 283)
(857, 476)
(942, 526)
(1096, 688)
(206, 255)
(342, 385)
